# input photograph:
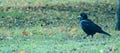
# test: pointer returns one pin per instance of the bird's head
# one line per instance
(83, 16)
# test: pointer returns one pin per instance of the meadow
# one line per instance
(42, 26)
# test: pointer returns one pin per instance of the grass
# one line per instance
(52, 27)
(50, 2)
(55, 40)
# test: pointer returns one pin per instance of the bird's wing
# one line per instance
(89, 25)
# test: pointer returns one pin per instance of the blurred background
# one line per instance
(51, 26)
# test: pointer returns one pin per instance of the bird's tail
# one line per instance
(105, 33)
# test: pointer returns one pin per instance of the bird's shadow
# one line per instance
(82, 38)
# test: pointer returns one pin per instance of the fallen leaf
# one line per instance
(22, 51)
(41, 32)
(72, 31)
(24, 32)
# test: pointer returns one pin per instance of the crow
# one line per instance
(89, 27)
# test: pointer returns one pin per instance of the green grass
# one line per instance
(52, 40)
(46, 2)
(42, 39)
(52, 30)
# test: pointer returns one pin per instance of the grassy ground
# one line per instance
(50, 2)
(52, 27)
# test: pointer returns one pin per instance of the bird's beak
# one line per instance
(79, 17)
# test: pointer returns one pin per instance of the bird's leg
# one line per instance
(92, 36)
(85, 37)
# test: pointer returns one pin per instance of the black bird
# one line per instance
(89, 27)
